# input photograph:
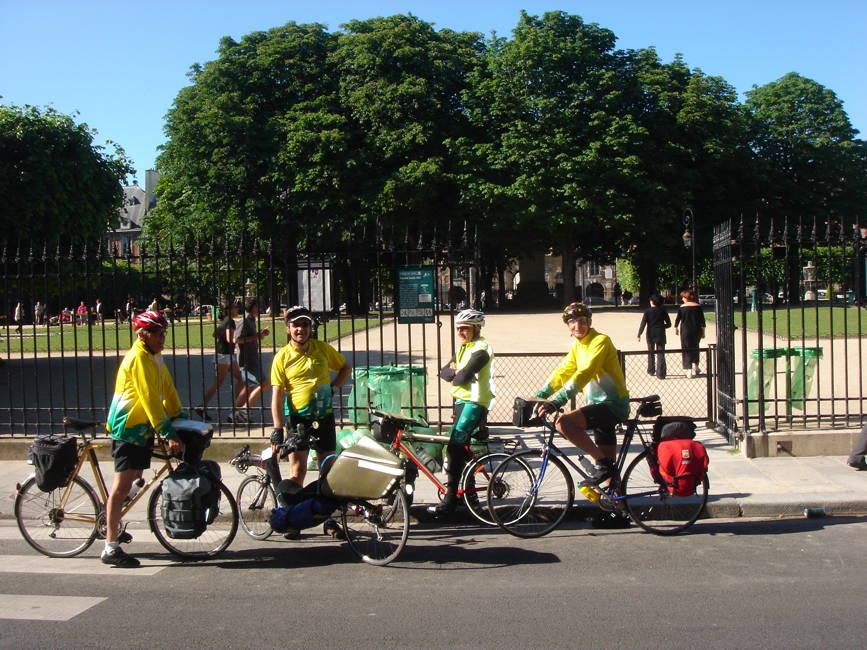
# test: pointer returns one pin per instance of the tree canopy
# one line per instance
(56, 183)
(553, 139)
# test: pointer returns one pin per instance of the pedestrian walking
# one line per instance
(690, 324)
(98, 311)
(81, 314)
(656, 321)
(247, 337)
(18, 316)
(224, 336)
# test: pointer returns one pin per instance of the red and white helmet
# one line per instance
(150, 320)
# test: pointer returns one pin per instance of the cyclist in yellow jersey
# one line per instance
(145, 402)
(592, 366)
(303, 391)
(470, 373)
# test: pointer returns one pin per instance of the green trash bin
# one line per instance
(768, 358)
(802, 372)
(388, 388)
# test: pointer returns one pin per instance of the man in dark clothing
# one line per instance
(856, 458)
(248, 338)
(656, 321)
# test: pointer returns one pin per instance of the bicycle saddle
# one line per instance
(79, 424)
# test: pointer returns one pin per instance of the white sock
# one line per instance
(111, 547)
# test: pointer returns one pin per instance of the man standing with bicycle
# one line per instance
(302, 395)
(470, 374)
(592, 366)
(145, 402)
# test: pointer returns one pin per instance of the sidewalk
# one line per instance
(739, 486)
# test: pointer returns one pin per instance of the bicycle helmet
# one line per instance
(150, 320)
(576, 310)
(470, 317)
(297, 313)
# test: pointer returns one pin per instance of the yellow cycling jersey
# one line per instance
(306, 377)
(145, 399)
(481, 388)
(592, 366)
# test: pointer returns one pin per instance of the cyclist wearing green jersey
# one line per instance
(470, 374)
(592, 366)
(145, 402)
(302, 395)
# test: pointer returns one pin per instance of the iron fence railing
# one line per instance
(790, 325)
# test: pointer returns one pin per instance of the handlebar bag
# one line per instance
(53, 459)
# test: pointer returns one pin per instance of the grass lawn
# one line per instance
(811, 322)
(198, 335)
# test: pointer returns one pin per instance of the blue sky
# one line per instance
(119, 64)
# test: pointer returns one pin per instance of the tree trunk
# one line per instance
(647, 278)
(568, 272)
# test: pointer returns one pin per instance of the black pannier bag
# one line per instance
(522, 412)
(211, 501)
(53, 458)
(185, 501)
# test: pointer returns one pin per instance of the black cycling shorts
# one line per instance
(603, 422)
(327, 432)
(129, 456)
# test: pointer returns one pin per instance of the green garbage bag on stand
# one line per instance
(768, 359)
(803, 371)
(387, 388)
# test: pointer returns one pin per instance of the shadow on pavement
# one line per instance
(769, 526)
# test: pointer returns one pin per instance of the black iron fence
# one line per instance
(67, 312)
(63, 360)
(790, 325)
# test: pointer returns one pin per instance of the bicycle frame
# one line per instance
(548, 446)
(87, 453)
(410, 453)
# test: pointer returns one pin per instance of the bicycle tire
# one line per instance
(377, 530)
(652, 507)
(256, 498)
(522, 513)
(476, 498)
(53, 530)
(214, 540)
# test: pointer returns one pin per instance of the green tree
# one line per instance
(55, 182)
(692, 154)
(811, 163)
(400, 84)
(556, 137)
(256, 143)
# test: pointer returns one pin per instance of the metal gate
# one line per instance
(726, 401)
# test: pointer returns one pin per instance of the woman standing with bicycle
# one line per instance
(470, 373)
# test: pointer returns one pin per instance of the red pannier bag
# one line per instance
(683, 461)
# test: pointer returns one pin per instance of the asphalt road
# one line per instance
(731, 583)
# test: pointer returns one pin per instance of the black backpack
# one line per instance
(186, 494)
(53, 458)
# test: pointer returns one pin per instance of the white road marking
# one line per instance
(76, 566)
(44, 608)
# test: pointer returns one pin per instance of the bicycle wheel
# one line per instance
(213, 541)
(478, 475)
(256, 498)
(377, 530)
(55, 527)
(524, 500)
(652, 507)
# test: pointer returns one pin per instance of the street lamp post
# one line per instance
(689, 240)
